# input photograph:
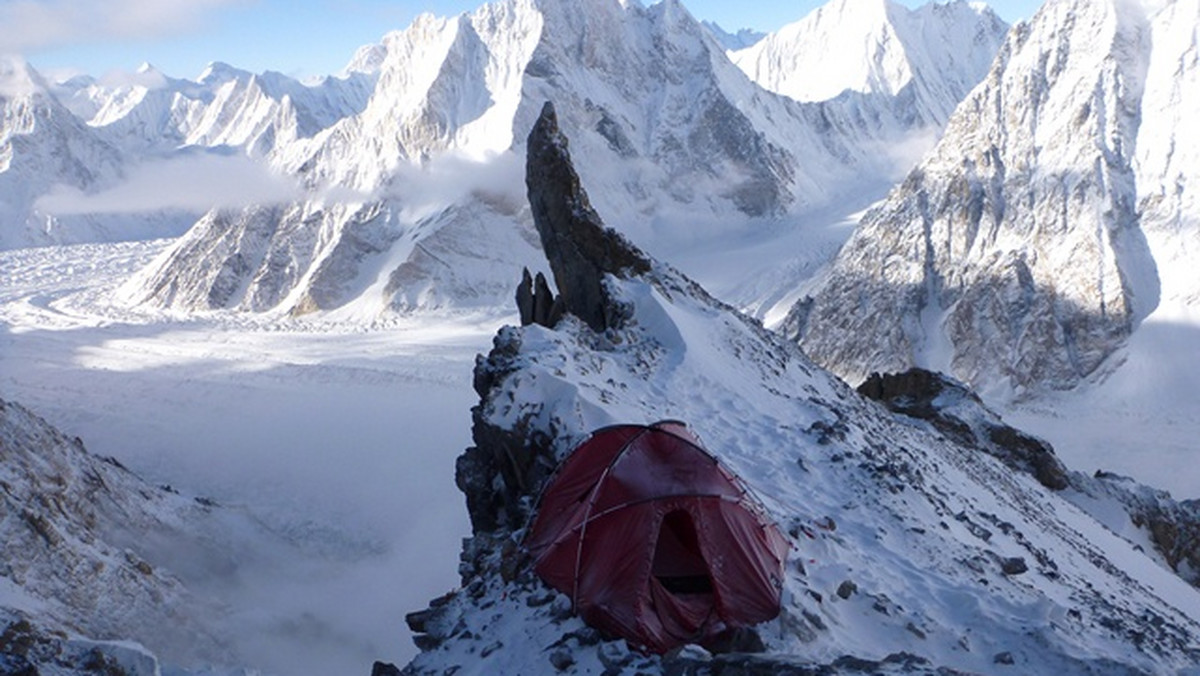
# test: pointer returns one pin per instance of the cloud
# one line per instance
(143, 77)
(15, 77)
(188, 183)
(451, 178)
(34, 24)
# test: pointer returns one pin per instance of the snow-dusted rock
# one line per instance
(76, 542)
(1168, 529)
(1045, 225)
(28, 647)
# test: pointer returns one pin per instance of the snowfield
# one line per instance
(340, 440)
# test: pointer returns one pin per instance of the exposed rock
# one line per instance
(562, 659)
(736, 640)
(500, 474)
(384, 669)
(1014, 566)
(846, 589)
(959, 413)
(29, 649)
(536, 303)
(580, 249)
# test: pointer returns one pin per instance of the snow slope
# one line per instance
(911, 552)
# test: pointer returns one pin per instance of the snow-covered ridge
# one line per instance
(743, 38)
(75, 543)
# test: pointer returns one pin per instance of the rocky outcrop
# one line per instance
(1171, 526)
(501, 473)
(536, 303)
(580, 249)
(28, 648)
(959, 413)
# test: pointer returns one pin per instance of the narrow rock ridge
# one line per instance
(580, 249)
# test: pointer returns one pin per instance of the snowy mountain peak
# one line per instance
(219, 71)
(876, 46)
(18, 79)
(368, 60)
(742, 39)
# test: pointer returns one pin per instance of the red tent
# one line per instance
(655, 541)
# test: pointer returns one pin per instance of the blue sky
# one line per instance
(301, 38)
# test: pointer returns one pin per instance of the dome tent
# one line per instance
(654, 540)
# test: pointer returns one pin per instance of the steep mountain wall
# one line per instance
(1017, 254)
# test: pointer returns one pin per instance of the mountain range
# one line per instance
(878, 190)
(677, 132)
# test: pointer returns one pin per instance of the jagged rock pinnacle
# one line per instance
(580, 249)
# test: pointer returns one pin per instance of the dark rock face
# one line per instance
(502, 472)
(384, 669)
(536, 303)
(930, 396)
(1014, 566)
(580, 249)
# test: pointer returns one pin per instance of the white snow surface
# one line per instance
(338, 438)
(940, 51)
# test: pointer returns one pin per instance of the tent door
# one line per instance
(678, 564)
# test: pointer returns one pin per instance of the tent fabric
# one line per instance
(654, 540)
